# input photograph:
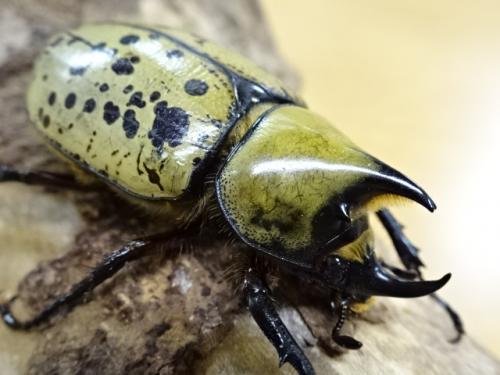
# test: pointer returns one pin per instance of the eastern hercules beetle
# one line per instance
(152, 112)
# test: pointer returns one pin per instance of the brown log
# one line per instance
(174, 313)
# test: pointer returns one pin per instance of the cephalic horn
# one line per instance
(372, 279)
(381, 282)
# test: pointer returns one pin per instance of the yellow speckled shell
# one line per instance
(146, 109)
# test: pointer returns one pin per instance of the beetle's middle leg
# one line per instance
(258, 299)
(109, 266)
(408, 254)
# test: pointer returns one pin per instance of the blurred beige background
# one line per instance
(417, 83)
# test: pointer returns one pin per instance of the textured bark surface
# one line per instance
(174, 313)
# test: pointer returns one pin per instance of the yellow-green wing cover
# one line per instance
(144, 108)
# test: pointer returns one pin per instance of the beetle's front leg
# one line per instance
(109, 266)
(342, 306)
(39, 178)
(408, 254)
(259, 302)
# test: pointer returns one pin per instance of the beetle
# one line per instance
(154, 113)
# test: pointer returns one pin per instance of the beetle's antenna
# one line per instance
(347, 342)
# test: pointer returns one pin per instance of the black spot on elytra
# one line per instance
(40, 113)
(89, 105)
(77, 70)
(128, 89)
(155, 95)
(111, 112)
(70, 100)
(138, 161)
(44, 77)
(46, 121)
(130, 123)
(170, 125)
(104, 87)
(135, 59)
(162, 165)
(136, 99)
(175, 53)
(122, 66)
(202, 138)
(99, 46)
(103, 172)
(153, 176)
(70, 126)
(216, 123)
(196, 87)
(52, 98)
(129, 39)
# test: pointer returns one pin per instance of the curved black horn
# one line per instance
(370, 278)
(382, 283)
(397, 183)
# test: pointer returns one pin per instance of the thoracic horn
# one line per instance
(385, 180)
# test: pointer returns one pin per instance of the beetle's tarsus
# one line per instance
(107, 268)
(39, 178)
(344, 341)
(408, 254)
(455, 318)
(259, 302)
(7, 316)
(10, 320)
(347, 342)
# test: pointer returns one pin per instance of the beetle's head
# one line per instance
(296, 188)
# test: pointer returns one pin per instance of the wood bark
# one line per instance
(172, 313)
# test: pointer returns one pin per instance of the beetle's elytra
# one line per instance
(155, 113)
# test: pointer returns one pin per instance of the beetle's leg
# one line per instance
(110, 265)
(455, 318)
(260, 304)
(347, 342)
(408, 254)
(39, 178)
